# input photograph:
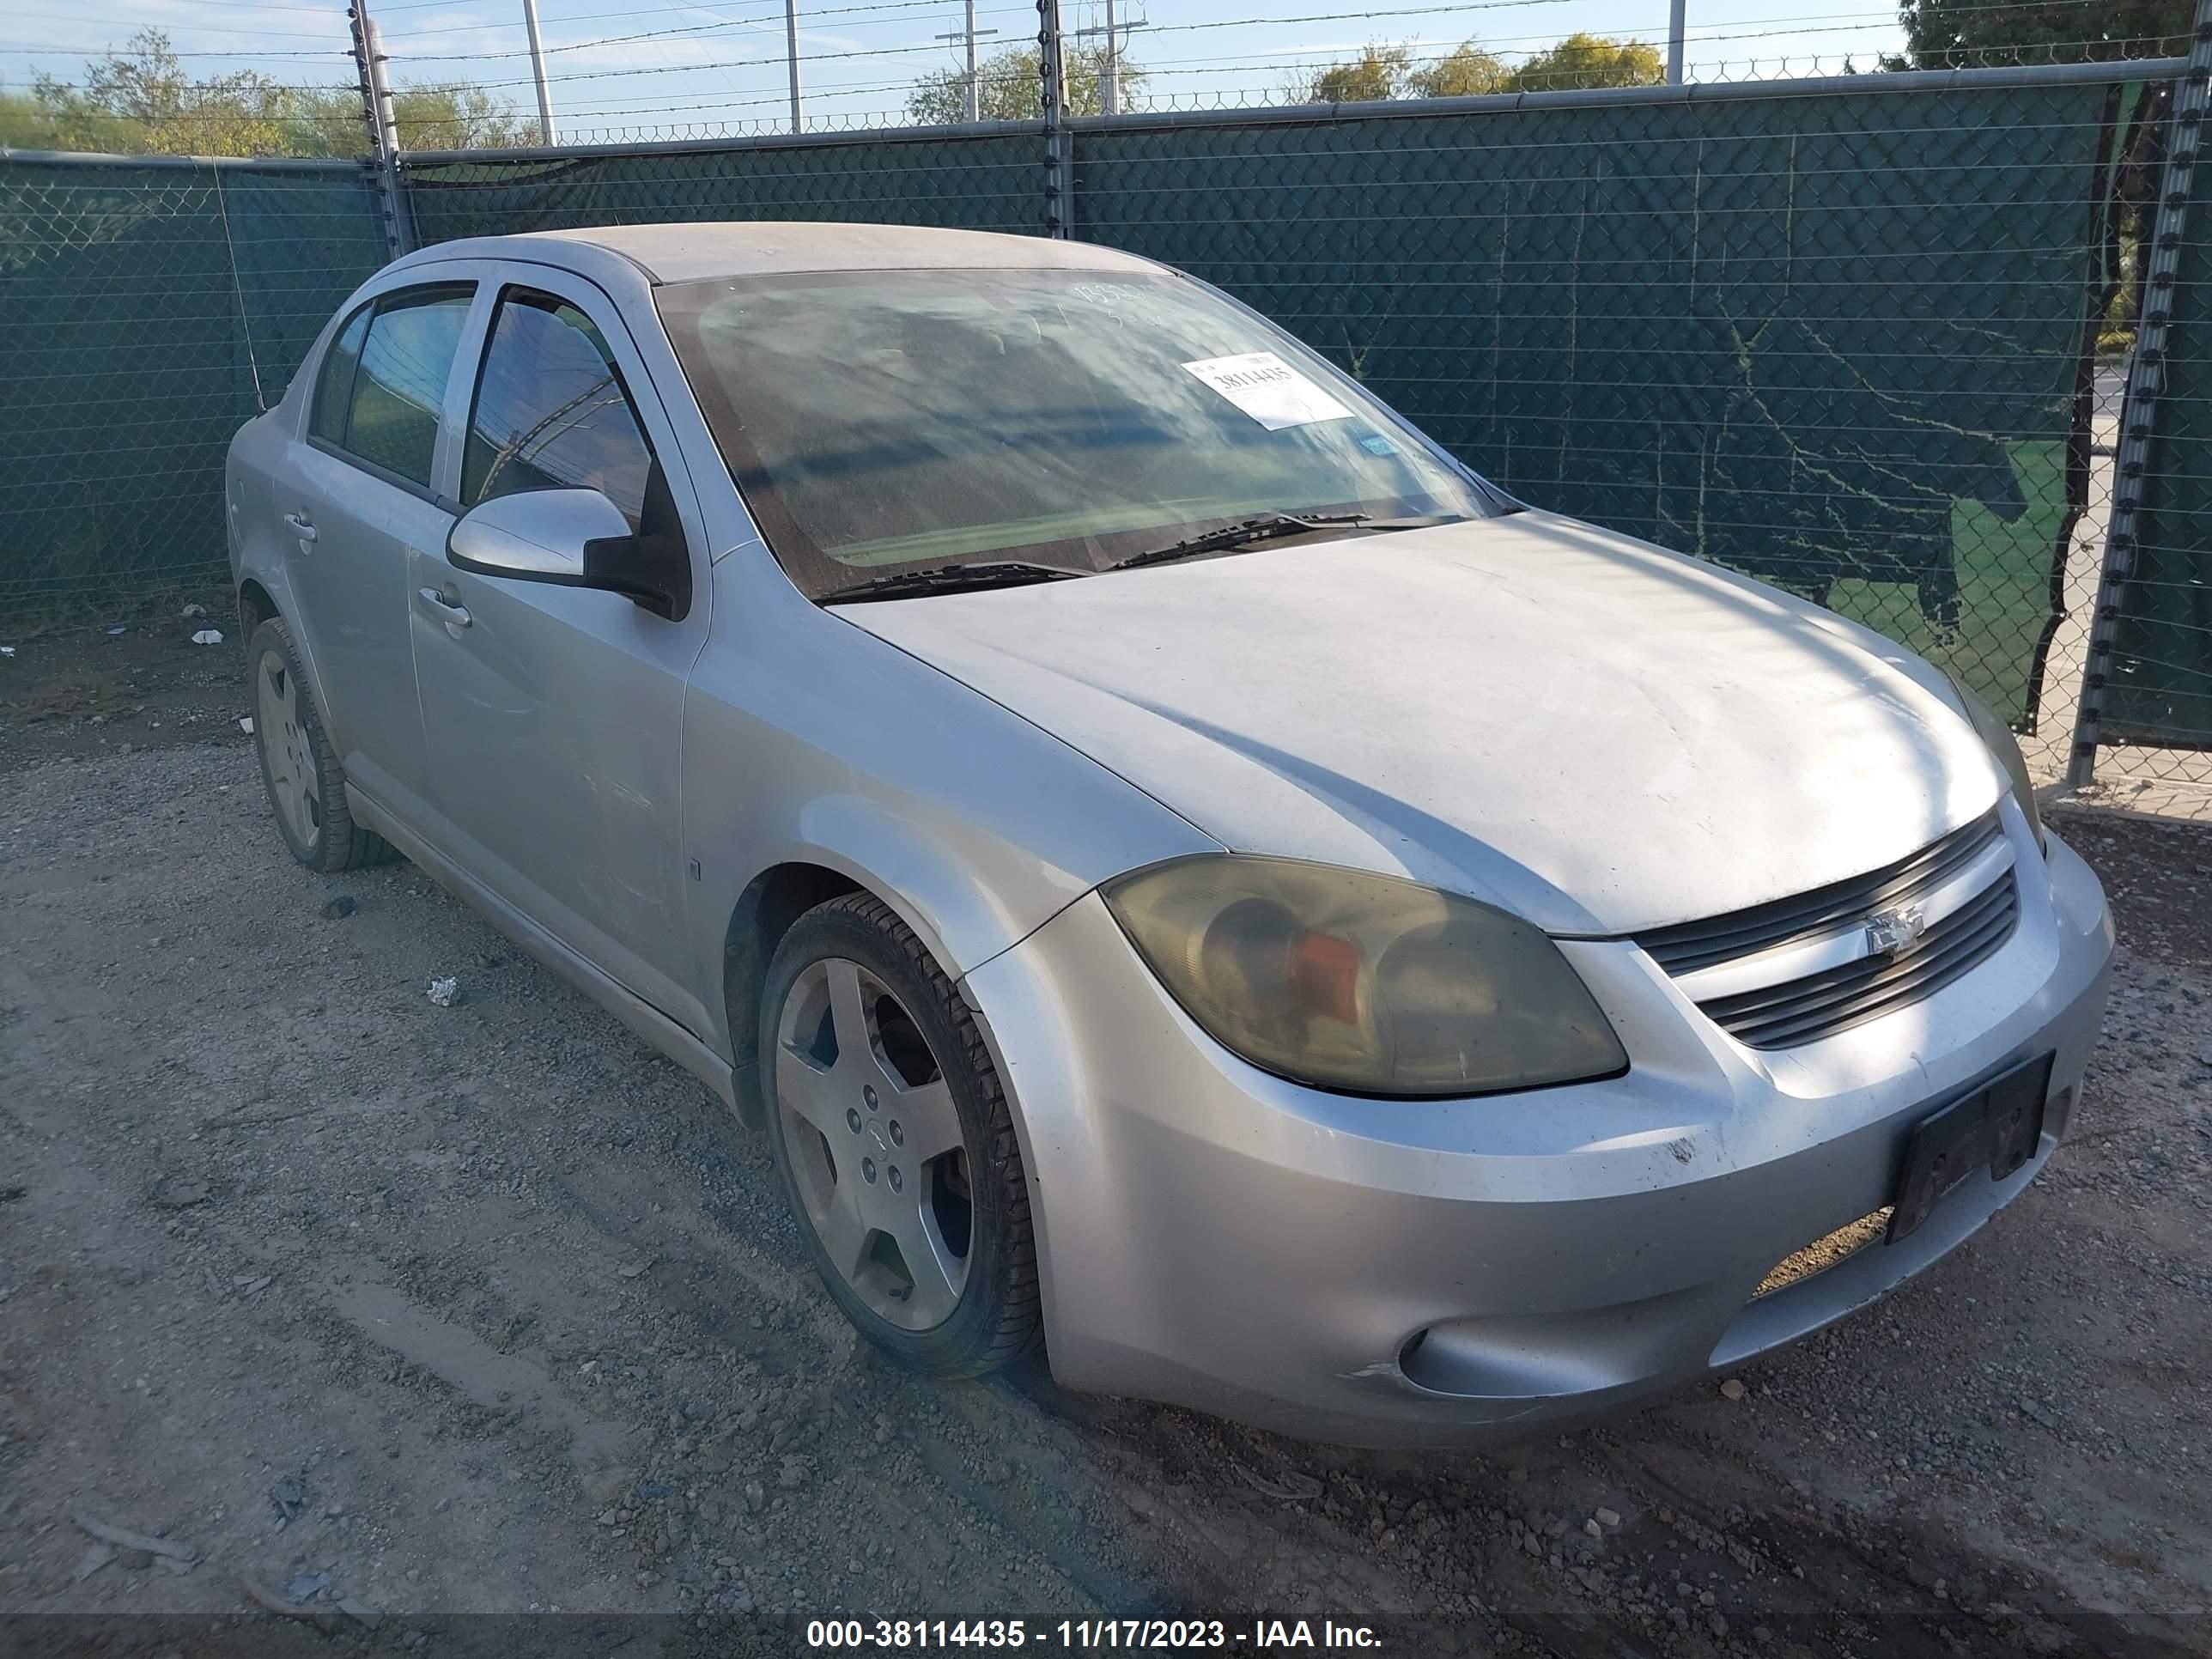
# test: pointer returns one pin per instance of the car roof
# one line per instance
(700, 252)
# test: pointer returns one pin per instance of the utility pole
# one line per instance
(791, 50)
(546, 134)
(1110, 62)
(1678, 20)
(383, 126)
(970, 99)
(1109, 70)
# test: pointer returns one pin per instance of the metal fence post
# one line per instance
(547, 134)
(2139, 402)
(1059, 141)
(377, 111)
(791, 55)
(1678, 19)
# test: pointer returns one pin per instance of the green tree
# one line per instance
(25, 123)
(1382, 71)
(1589, 60)
(140, 100)
(438, 117)
(456, 117)
(1009, 87)
(1972, 34)
(1468, 71)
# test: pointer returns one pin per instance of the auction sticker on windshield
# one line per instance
(1269, 389)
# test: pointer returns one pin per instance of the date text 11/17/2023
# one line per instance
(1086, 1634)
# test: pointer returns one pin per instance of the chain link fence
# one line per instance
(2147, 697)
(1832, 341)
(971, 183)
(148, 309)
(1840, 334)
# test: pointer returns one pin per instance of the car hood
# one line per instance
(1595, 734)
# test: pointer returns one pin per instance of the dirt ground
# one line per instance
(394, 1311)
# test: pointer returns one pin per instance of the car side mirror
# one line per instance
(571, 539)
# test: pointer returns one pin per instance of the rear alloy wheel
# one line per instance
(306, 786)
(892, 1136)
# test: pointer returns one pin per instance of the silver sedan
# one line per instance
(1181, 871)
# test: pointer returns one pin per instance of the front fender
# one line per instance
(810, 742)
(931, 882)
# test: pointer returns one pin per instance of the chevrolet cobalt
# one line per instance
(1180, 870)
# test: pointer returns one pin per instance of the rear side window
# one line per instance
(383, 386)
(334, 391)
(550, 410)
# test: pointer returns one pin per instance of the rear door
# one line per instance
(553, 716)
(355, 496)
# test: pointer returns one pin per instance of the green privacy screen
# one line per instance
(2159, 691)
(140, 308)
(968, 184)
(1834, 341)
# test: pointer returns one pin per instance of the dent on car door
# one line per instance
(354, 499)
(552, 714)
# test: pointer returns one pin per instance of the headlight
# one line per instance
(1999, 738)
(1364, 983)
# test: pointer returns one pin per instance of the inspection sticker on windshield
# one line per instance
(1269, 389)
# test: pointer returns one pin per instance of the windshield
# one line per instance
(877, 421)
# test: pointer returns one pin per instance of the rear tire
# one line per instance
(893, 1140)
(298, 767)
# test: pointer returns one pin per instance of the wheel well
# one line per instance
(774, 900)
(255, 607)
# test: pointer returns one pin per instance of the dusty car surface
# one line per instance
(1180, 869)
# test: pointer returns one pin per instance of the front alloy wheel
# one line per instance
(893, 1138)
(875, 1143)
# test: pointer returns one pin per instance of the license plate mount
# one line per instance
(1995, 1128)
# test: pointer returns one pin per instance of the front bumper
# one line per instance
(1214, 1237)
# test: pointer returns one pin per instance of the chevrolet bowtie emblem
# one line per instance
(1888, 931)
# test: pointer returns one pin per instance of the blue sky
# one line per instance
(670, 68)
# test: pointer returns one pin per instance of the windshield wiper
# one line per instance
(945, 579)
(1251, 531)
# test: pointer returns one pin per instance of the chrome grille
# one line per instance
(1820, 1003)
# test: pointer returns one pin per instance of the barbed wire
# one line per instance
(136, 24)
(596, 105)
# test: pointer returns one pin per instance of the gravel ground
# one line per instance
(425, 1311)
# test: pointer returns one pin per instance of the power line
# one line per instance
(748, 24)
(111, 51)
(338, 16)
(1168, 28)
(139, 25)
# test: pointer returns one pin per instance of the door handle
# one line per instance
(301, 525)
(450, 612)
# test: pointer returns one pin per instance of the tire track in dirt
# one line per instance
(409, 1213)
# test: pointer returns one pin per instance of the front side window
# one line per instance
(875, 420)
(398, 390)
(550, 411)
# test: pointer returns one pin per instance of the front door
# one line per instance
(553, 716)
(356, 500)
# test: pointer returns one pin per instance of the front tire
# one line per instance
(893, 1140)
(298, 767)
